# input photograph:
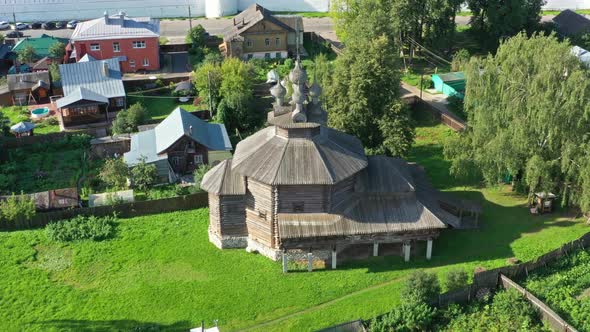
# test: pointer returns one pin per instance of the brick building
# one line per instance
(134, 41)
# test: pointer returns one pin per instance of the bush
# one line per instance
(411, 315)
(200, 173)
(128, 120)
(114, 173)
(16, 208)
(424, 286)
(82, 228)
(144, 175)
(456, 279)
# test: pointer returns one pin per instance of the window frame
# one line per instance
(138, 44)
(131, 63)
(145, 62)
(267, 42)
(277, 41)
(116, 47)
(95, 47)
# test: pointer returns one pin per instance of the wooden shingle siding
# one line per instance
(298, 133)
(313, 197)
(233, 215)
(259, 211)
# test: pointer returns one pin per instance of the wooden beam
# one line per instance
(309, 262)
(428, 248)
(375, 248)
(285, 267)
(407, 249)
(333, 258)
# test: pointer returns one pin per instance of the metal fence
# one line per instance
(557, 323)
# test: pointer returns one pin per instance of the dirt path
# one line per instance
(321, 305)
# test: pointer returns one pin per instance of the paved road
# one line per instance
(175, 30)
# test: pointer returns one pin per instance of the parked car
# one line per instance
(14, 34)
(61, 25)
(36, 25)
(4, 25)
(20, 26)
(49, 25)
(72, 24)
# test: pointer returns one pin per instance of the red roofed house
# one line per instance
(135, 41)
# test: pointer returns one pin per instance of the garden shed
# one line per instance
(450, 84)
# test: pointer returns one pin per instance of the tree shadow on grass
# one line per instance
(110, 325)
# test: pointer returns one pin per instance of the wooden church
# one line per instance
(301, 190)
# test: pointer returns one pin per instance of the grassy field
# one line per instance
(161, 270)
(159, 108)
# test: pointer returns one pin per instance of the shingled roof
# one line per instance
(326, 158)
(570, 23)
(250, 17)
(220, 180)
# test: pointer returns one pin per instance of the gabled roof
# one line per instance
(250, 17)
(86, 58)
(181, 123)
(40, 44)
(116, 27)
(22, 127)
(220, 180)
(570, 23)
(28, 80)
(143, 145)
(80, 94)
(326, 158)
(89, 75)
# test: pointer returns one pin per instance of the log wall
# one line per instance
(214, 214)
(313, 198)
(259, 212)
(233, 215)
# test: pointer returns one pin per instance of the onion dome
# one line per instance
(272, 76)
(298, 75)
(315, 91)
(278, 91)
(297, 97)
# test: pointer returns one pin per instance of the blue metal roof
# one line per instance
(179, 123)
(152, 143)
(89, 75)
(79, 94)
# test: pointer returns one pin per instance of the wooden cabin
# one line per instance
(301, 190)
(29, 88)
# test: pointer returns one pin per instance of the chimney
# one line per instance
(122, 17)
(105, 69)
(106, 17)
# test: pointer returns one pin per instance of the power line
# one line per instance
(429, 51)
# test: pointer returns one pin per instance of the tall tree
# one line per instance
(528, 111)
(26, 55)
(237, 94)
(363, 97)
(57, 51)
(504, 18)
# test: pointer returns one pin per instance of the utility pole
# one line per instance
(190, 19)
(15, 29)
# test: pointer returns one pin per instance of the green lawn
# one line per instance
(16, 114)
(162, 269)
(159, 108)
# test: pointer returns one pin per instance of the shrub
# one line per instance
(456, 279)
(82, 228)
(16, 208)
(114, 173)
(424, 286)
(200, 173)
(411, 315)
(128, 120)
(144, 175)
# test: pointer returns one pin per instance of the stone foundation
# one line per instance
(228, 242)
(253, 246)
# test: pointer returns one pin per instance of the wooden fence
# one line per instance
(13, 142)
(125, 210)
(557, 323)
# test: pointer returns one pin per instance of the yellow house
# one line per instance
(257, 33)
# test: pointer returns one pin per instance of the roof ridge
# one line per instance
(274, 177)
(322, 159)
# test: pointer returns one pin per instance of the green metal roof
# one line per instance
(41, 44)
(451, 77)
